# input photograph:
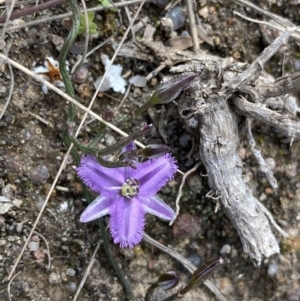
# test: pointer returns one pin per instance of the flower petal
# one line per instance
(98, 208)
(153, 174)
(156, 206)
(98, 177)
(127, 222)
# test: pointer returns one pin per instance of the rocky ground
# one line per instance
(31, 152)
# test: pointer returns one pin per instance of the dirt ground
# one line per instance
(31, 152)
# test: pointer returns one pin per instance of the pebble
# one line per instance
(110, 140)
(7, 191)
(70, 272)
(224, 285)
(33, 246)
(19, 227)
(12, 161)
(5, 204)
(273, 269)
(40, 174)
(71, 287)
(11, 238)
(186, 225)
(226, 249)
(138, 81)
(184, 139)
(54, 278)
(81, 75)
(194, 182)
(291, 170)
(271, 163)
(177, 17)
(17, 203)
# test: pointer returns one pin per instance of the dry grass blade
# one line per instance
(192, 24)
(66, 96)
(86, 273)
(62, 16)
(9, 284)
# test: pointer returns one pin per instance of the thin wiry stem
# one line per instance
(87, 271)
(186, 174)
(9, 284)
(295, 35)
(48, 249)
(186, 263)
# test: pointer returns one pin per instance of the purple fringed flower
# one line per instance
(127, 194)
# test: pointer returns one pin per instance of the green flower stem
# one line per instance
(67, 141)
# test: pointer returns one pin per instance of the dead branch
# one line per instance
(211, 106)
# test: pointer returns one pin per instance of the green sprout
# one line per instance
(93, 28)
(106, 3)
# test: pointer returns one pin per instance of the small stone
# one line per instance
(77, 48)
(194, 182)
(186, 225)
(81, 75)
(138, 81)
(291, 170)
(7, 191)
(273, 269)
(184, 139)
(5, 205)
(153, 81)
(11, 238)
(110, 140)
(262, 197)
(224, 285)
(12, 162)
(40, 174)
(225, 249)
(39, 256)
(177, 17)
(33, 246)
(203, 12)
(2, 242)
(54, 278)
(1, 257)
(268, 191)
(137, 92)
(70, 272)
(19, 227)
(71, 287)
(17, 203)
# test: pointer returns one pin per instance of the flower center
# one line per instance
(130, 188)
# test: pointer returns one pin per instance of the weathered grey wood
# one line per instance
(223, 93)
